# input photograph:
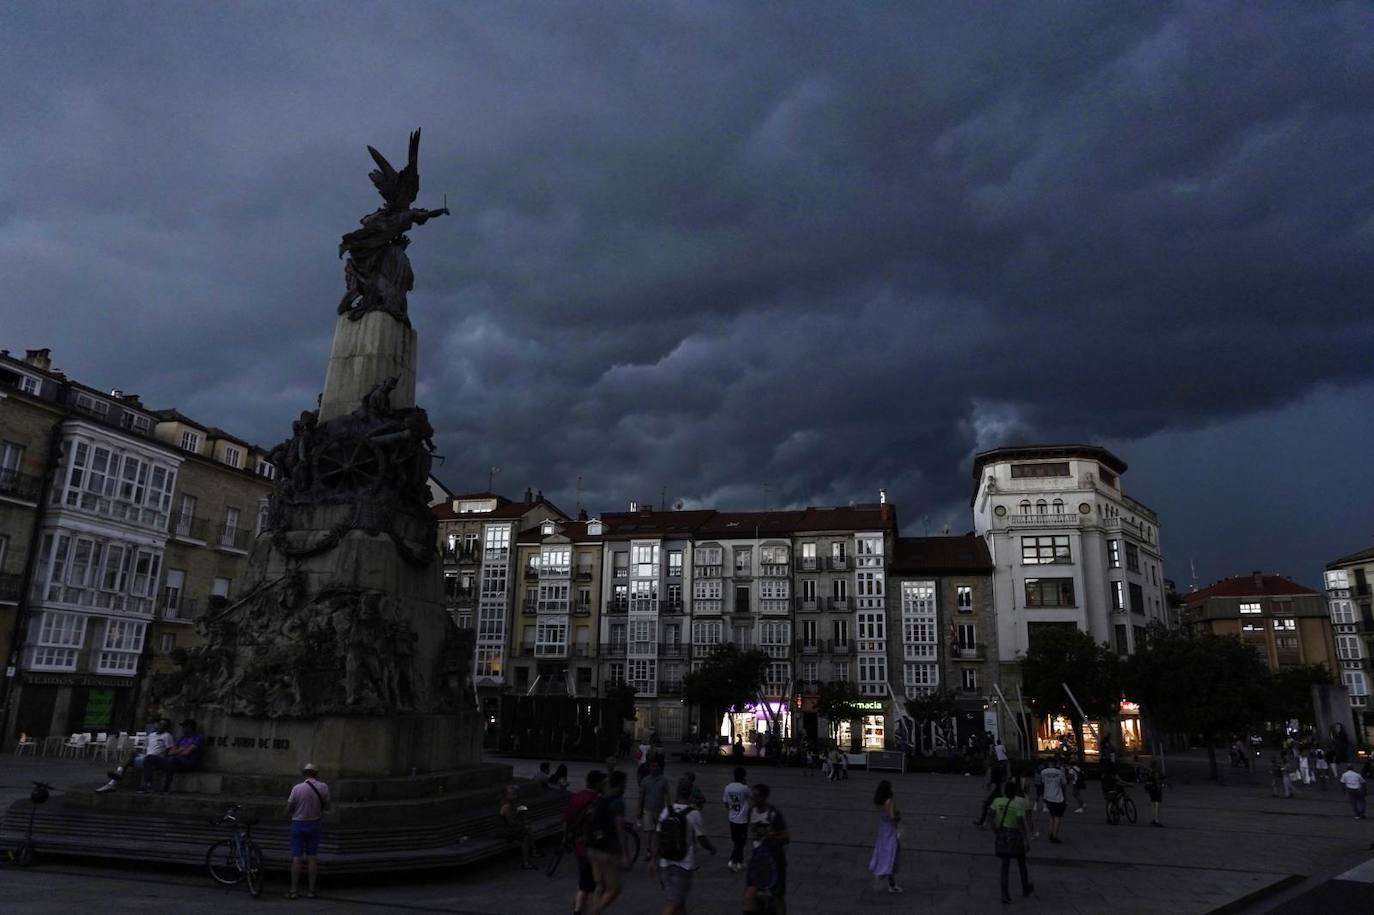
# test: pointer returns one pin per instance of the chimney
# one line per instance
(529, 495)
(39, 358)
(539, 496)
(581, 514)
(1259, 579)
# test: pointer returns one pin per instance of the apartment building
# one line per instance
(556, 628)
(1287, 623)
(945, 637)
(1348, 602)
(478, 533)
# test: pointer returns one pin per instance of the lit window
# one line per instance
(1249, 608)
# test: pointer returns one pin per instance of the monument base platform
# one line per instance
(374, 824)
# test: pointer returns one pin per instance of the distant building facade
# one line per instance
(1347, 583)
(1287, 623)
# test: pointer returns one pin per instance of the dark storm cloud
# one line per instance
(748, 255)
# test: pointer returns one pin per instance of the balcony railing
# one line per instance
(531, 573)
(670, 687)
(837, 604)
(672, 650)
(189, 527)
(582, 651)
(773, 570)
(618, 606)
(711, 571)
(553, 606)
(529, 606)
(555, 571)
(962, 652)
(670, 606)
(181, 608)
(808, 605)
(834, 647)
(11, 585)
(613, 649)
(584, 573)
(234, 538)
(582, 609)
(18, 485)
(1050, 519)
(812, 646)
(458, 554)
(839, 563)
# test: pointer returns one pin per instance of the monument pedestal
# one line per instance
(374, 347)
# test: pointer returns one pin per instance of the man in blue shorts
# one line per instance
(306, 806)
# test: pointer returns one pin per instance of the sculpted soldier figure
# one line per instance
(377, 274)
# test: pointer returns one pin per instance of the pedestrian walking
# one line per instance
(653, 797)
(1154, 787)
(1077, 781)
(1323, 768)
(887, 850)
(305, 805)
(1009, 814)
(1305, 766)
(1354, 785)
(1052, 781)
(766, 876)
(576, 825)
(674, 842)
(1278, 776)
(998, 773)
(1040, 786)
(606, 842)
(738, 805)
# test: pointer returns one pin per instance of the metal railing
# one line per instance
(18, 485)
(234, 538)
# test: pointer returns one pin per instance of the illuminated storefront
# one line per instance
(1131, 735)
(1056, 733)
(872, 722)
(757, 721)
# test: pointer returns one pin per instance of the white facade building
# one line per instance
(1067, 545)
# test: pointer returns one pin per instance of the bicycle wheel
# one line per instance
(23, 855)
(254, 870)
(1113, 813)
(222, 864)
(1128, 806)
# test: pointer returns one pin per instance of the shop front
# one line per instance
(70, 703)
(1055, 734)
(757, 723)
(866, 732)
(1132, 735)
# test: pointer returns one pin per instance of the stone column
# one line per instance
(365, 353)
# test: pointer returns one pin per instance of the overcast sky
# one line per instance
(752, 254)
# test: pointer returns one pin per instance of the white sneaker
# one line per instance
(1079, 810)
(893, 888)
(108, 786)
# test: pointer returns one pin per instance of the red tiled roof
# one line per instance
(651, 523)
(1256, 585)
(874, 517)
(576, 531)
(928, 555)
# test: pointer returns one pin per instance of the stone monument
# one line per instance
(338, 650)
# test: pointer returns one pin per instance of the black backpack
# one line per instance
(672, 835)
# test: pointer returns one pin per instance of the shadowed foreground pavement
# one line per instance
(1231, 847)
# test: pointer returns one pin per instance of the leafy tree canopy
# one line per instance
(1290, 691)
(622, 697)
(727, 681)
(1198, 683)
(1069, 655)
(936, 705)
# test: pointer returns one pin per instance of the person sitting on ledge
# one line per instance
(159, 742)
(184, 757)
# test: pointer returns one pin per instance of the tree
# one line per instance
(1202, 684)
(622, 699)
(838, 701)
(1290, 692)
(935, 706)
(728, 680)
(1067, 655)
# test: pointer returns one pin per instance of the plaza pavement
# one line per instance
(1231, 848)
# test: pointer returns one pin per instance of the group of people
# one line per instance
(596, 824)
(162, 756)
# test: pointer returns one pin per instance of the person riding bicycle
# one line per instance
(1112, 790)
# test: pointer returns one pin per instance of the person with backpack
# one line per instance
(766, 875)
(1010, 819)
(606, 841)
(305, 805)
(738, 803)
(576, 823)
(680, 830)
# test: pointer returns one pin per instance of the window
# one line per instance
(1355, 683)
(60, 637)
(220, 587)
(708, 556)
(233, 456)
(811, 671)
(615, 673)
(620, 564)
(556, 561)
(190, 441)
(808, 632)
(228, 535)
(11, 457)
(643, 675)
(498, 542)
(646, 560)
(870, 584)
(123, 642)
(1132, 557)
(1055, 469)
(266, 470)
(1045, 550)
(744, 560)
(88, 404)
(808, 590)
(1137, 598)
(779, 677)
(1057, 506)
(1249, 608)
(551, 638)
(841, 669)
(1119, 633)
(741, 599)
(29, 385)
(1343, 612)
(920, 678)
(1113, 554)
(1286, 625)
(644, 595)
(839, 554)
(185, 514)
(706, 589)
(773, 555)
(1118, 597)
(918, 621)
(775, 638)
(872, 675)
(675, 564)
(488, 660)
(1041, 506)
(1337, 580)
(808, 556)
(166, 643)
(171, 593)
(840, 630)
(643, 636)
(706, 633)
(966, 637)
(1049, 592)
(840, 589)
(871, 626)
(963, 598)
(969, 678)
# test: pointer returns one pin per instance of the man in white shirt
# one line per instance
(1053, 778)
(675, 872)
(160, 740)
(1353, 782)
(738, 803)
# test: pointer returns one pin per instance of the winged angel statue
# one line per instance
(377, 273)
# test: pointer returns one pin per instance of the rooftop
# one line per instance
(1256, 584)
(930, 555)
(1043, 453)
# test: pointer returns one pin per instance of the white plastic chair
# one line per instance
(140, 741)
(99, 745)
(75, 745)
(26, 743)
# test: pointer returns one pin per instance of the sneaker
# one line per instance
(108, 786)
(893, 888)
(1156, 823)
(1080, 810)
